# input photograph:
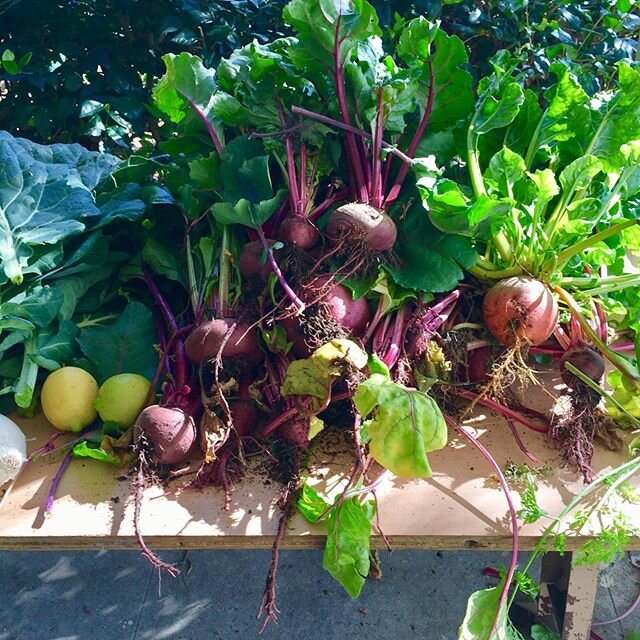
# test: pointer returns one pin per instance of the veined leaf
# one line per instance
(402, 425)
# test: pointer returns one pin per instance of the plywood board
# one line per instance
(458, 508)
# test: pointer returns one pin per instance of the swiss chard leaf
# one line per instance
(402, 425)
(482, 607)
(311, 504)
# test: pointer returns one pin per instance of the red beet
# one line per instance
(250, 261)
(586, 360)
(299, 231)
(295, 431)
(363, 222)
(520, 309)
(169, 432)
(245, 417)
(205, 340)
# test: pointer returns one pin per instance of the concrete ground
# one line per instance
(117, 596)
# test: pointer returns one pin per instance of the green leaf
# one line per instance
(311, 504)
(84, 449)
(313, 376)
(55, 348)
(482, 607)
(429, 260)
(45, 197)
(546, 186)
(505, 169)
(346, 553)
(126, 346)
(538, 632)
(497, 112)
(621, 121)
(402, 425)
(186, 86)
(578, 174)
(437, 61)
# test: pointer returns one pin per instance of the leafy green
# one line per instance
(538, 632)
(125, 346)
(479, 617)
(401, 425)
(313, 376)
(85, 449)
(311, 504)
(45, 197)
(346, 553)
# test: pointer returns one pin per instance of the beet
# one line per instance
(360, 221)
(296, 431)
(298, 231)
(353, 315)
(520, 309)
(205, 340)
(250, 262)
(169, 432)
(245, 417)
(478, 364)
(586, 360)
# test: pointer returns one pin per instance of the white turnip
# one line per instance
(13, 449)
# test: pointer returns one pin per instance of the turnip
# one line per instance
(520, 310)
(68, 396)
(586, 360)
(13, 449)
(121, 398)
(299, 231)
(206, 341)
(361, 221)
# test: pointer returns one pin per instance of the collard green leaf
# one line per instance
(346, 553)
(429, 260)
(126, 346)
(402, 425)
(43, 200)
(55, 346)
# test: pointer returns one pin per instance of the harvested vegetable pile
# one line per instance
(336, 232)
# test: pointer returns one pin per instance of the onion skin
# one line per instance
(299, 232)
(361, 221)
(170, 433)
(586, 360)
(205, 340)
(520, 309)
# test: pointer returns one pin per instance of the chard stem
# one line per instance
(497, 274)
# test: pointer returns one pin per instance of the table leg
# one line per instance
(567, 596)
(581, 598)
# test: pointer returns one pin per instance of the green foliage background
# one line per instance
(82, 70)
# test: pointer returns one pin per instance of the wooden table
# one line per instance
(459, 508)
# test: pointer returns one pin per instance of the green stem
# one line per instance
(223, 274)
(28, 375)
(566, 255)
(619, 362)
(540, 548)
(92, 322)
(598, 389)
(475, 172)
(589, 282)
(533, 145)
(631, 280)
(191, 274)
(497, 274)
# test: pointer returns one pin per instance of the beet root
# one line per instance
(204, 342)
(520, 310)
(245, 417)
(586, 360)
(169, 433)
(363, 222)
(295, 431)
(251, 263)
(298, 231)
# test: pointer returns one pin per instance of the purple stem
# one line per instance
(437, 313)
(380, 338)
(180, 359)
(298, 304)
(392, 351)
(519, 442)
(602, 318)
(512, 512)
(373, 325)
(498, 408)
(347, 127)
(210, 130)
(294, 195)
(404, 169)
(376, 170)
(56, 481)
(622, 616)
